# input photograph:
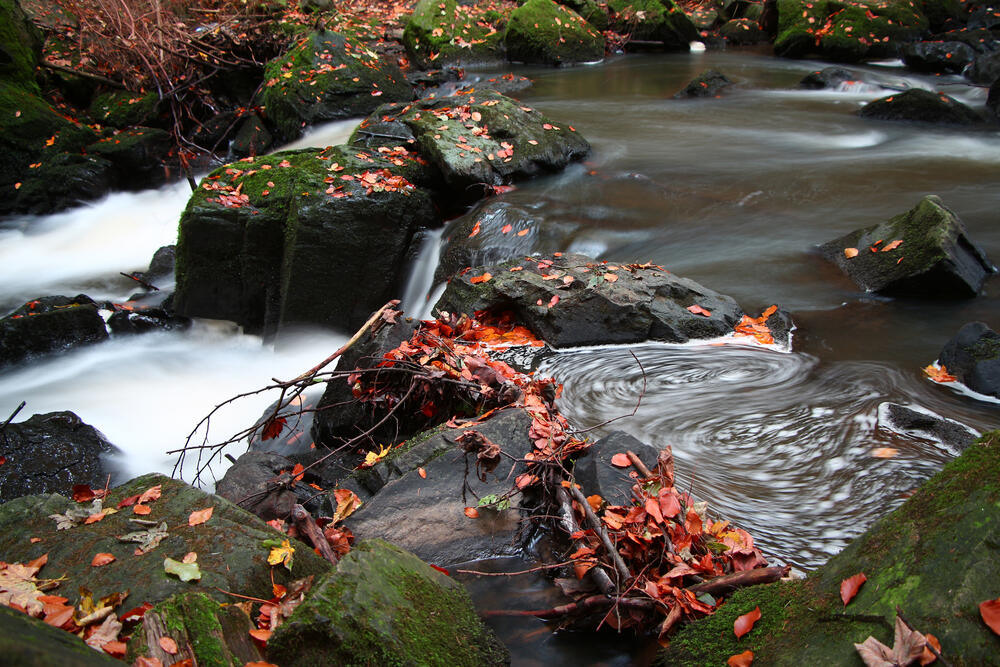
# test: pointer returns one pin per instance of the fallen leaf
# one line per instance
(114, 648)
(143, 661)
(168, 645)
(82, 493)
(422, 473)
(190, 557)
(553, 301)
(939, 373)
(298, 472)
(347, 503)
(475, 280)
(261, 636)
(200, 516)
(152, 493)
(907, 647)
(610, 277)
(892, 246)
(849, 587)
(850, 252)
(621, 460)
(141, 510)
(147, 539)
(990, 611)
(475, 229)
(928, 656)
(472, 512)
(744, 659)
(102, 559)
(18, 587)
(281, 554)
(744, 623)
(184, 571)
(106, 632)
(884, 452)
(272, 429)
(698, 310)
(507, 228)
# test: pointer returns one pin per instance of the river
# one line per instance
(734, 192)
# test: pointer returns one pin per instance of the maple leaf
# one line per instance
(744, 623)
(107, 632)
(272, 429)
(184, 571)
(939, 373)
(147, 539)
(281, 553)
(347, 503)
(849, 587)
(907, 647)
(18, 586)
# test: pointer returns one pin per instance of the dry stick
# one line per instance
(12, 415)
(514, 574)
(147, 285)
(730, 582)
(638, 402)
(305, 522)
(87, 75)
(945, 663)
(595, 523)
(589, 604)
(597, 573)
(639, 465)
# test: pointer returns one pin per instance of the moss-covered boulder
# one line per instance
(846, 30)
(935, 558)
(20, 46)
(384, 606)
(48, 325)
(230, 549)
(210, 634)
(123, 108)
(591, 11)
(921, 106)
(476, 139)
(328, 76)
(742, 31)
(925, 252)
(299, 237)
(30, 642)
(447, 32)
(653, 20)
(541, 31)
(136, 157)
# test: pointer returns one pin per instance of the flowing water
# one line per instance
(733, 192)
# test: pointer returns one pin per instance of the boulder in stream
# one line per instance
(448, 32)
(709, 83)
(919, 422)
(543, 32)
(49, 324)
(921, 106)
(654, 21)
(924, 252)
(973, 357)
(938, 57)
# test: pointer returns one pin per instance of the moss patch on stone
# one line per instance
(20, 46)
(446, 32)
(541, 31)
(654, 20)
(122, 109)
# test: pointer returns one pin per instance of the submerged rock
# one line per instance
(596, 474)
(383, 606)
(50, 324)
(51, 452)
(922, 423)
(925, 252)
(921, 106)
(973, 356)
(707, 84)
(541, 31)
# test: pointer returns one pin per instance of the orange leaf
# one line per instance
(82, 493)
(927, 657)
(698, 310)
(422, 473)
(884, 452)
(143, 661)
(653, 509)
(554, 300)
(693, 523)
(141, 510)
(472, 512)
(525, 480)
(260, 635)
(744, 659)
(611, 277)
(523, 232)
(298, 472)
(475, 280)
(475, 229)
(621, 460)
(939, 374)
(670, 506)
(990, 611)
(850, 252)
(849, 587)
(507, 228)
(102, 559)
(892, 246)
(94, 518)
(200, 516)
(114, 648)
(595, 502)
(744, 623)
(152, 493)
(168, 645)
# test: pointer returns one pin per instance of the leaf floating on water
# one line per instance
(939, 373)
(744, 623)
(184, 571)
(849, 587)
(850, 252)
(884, 452)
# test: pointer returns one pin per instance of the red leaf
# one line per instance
(554, 300)
(472, 512)
(272, 429)
(298, 472)
(440, 569)
(670, 506)
(621, 460)
(102, 559)
(128, 502)
(475, 280)
(422, 473)
(744, 623)
(475, 229)
(990, 611)
(698, 310)
(849, 587)
(744, 659)
(168, 645)
(82, 493)
(507, 228)
(653, 509)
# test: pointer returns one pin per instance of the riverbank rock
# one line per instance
(328, 76)
(707, 84)
(742, 31)
(51, 452)
(50, 324)
(596, 474)
(30, 642)
(938, 57)
(934, 558)
(831, 78)
(973, 356)
(655, 21)
(915, 421)
(921, 106)
(229, 546)
(925, 252)
(848, 31)
(136, 157)
(574, 300)
(383, 606)
(140, 319)
(546, 33)
(274, 241)
(447, 32)
(122, 109)
(475, 140)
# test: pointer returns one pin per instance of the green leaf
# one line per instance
(184, 571)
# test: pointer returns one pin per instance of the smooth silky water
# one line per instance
(734, 192)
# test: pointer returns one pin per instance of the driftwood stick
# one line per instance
(307, 525)
(569, 524)
(590, 604)
(147, 285)
(595, 523)
(87, 75)
(730, 582)
(639, 465)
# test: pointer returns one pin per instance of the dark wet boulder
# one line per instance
(143, 319)
(261, 483)
(230, 549)
(275, 241)
(921, 106)
(993, 101)
(80, 177)
(328, 76)
(477, 140)
(30, 642)
(915, 421)
(653, 20)
(546, 33)
(50, 324)
(924, 252)
(831, 78)
(944, 15)
(402, 498)
(20, 46)
(709, 83)
(252, 138)
(51, 452)
(574, 300)
(973, 356)
(985, 69)
(136, 156)
(981, 41)
(383, 606)
(938, 57)
(596, 474)
(161, 265)
(448, 32)
(849, 31)
(742, 31)
(122, 109)
(933, 559)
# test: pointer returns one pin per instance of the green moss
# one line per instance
(122, 109)
(655, 20)
(444, 32)
(541, 31)
(20, 46)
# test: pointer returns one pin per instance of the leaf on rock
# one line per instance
(273, 427)
(18, 587)
(892, 246)
(990, 612)
(141, 510)
(849, 587)
(102, 559)
(184, 571)
(698, 310)
(744, 659)
(939, 373)
(347, 503)
(850, 252)
(621, 460)
(168, 645)
(105, 633)
(152, 493)
(75, 515)
(281, 554)
(200, 516)
(475, 280)
(147, 539)
(744, 623)
(907, 648)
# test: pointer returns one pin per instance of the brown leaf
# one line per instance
(928, 655)
(152, 493)
(990, 611)
(200, 516)
(168, 645)
(106, 632)
(744, 659)
(874, 653)
(849, 587)
(744, 623)
(907, 648)
(102, 559)
(143, 661)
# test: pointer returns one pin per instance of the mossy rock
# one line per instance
(213, 635)
(384, 606)
(20, 46)
(742, 31)
(80, 177)
(921, 106)
(231, 554)
(446, 32)
(846, 30)
(935, 558)
(654, 20)
(123, 108)
(328, 76)
(136, 156)
(280, 239)
(541, 31)
(30, 642)
(49, 325)
(592, 12)
(935, 257)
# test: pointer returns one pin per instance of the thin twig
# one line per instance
(12, 415)
(595, 523)
(944, 662)
(540, 568)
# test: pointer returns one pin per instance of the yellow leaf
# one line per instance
(347, 502)
(281, 555)
(371, 458)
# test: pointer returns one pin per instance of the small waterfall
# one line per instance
(417, 297)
